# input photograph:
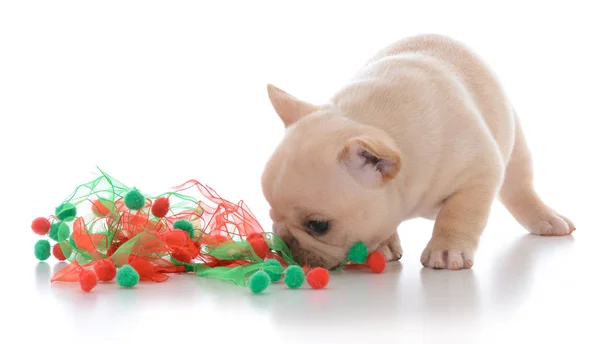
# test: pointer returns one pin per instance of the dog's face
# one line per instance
(329, 183)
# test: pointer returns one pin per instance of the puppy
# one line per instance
(424, 129)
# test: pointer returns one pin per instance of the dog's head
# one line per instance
(329, 182)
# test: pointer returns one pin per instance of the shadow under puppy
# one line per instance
(424, 129)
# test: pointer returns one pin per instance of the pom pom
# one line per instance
(259, 246)
(376, 262)
(259, 282)
(105, 270)
(57, 227)
(134, 199)
(358, 253)
(317, 278)
(274, 269)
(184, 225)
(182, 256)
(127, 276)
(87, 280)
(58, 253)
(294, 276)
(63, 232)
(66, 212)
(160, 208)
(42, 249)
(40, 226)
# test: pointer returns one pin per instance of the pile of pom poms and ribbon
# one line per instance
(128, 237)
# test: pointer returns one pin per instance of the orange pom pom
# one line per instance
(160, 208)
(376, 261)
(318, 278)
(182, 256)
(57, 252)
(260, 246)
(87, 280)
(105, 270)
(40, 226)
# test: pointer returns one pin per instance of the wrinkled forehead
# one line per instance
(304, 179)
(313, 190)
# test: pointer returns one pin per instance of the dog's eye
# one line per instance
(319, 227)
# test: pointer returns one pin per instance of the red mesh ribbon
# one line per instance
(151, 245)
(88, 242)
(219, 213)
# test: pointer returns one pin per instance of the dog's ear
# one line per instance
(372, 162)
(289, 108)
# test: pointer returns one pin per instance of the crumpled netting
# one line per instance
(105, 228)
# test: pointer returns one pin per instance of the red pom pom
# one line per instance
(260, 247)
(87, 280)
(57, 252)
(317, 278)
(160, 208)
(376, 261)
(40, 226)
(176, 238)
(182, 256)
(105, 269)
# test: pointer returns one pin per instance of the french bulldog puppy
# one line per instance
(424, 129)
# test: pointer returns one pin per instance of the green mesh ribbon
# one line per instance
(239, 275)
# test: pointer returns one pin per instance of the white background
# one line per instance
(156, 93)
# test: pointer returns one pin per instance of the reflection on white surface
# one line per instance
(510, 284)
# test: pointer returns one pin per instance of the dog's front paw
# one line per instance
(550, 223)
(444, 253)
(391, 248)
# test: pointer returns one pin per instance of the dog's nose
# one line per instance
(289, 240)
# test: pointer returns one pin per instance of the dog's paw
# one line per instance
(391, 249)
(447, 254)
(550, 224)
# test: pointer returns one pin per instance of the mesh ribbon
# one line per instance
(216, 248)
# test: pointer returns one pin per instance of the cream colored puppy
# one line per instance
(423, 130)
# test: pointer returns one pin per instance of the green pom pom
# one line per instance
(134, 199)
(184, 225)
(127, 276)
(358, 253)
(42, 249)
(294, 276)
(66, 212)
(63, 232)
(274, 269)
(57, 228)
(259, 282)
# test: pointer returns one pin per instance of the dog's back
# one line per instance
(443, 107)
